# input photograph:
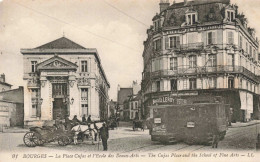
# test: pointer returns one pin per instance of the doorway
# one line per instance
(59, 108)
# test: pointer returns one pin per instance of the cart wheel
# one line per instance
(38, 139)
(28, 139)
(64, 140)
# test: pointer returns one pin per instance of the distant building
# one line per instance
(12, 107)
(135, 108)
(125, 95)
(202, 46)
(3, 85)
(63, 78)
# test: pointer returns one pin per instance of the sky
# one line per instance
(116, 28)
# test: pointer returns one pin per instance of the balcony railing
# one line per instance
(201, 70)
(192, 46)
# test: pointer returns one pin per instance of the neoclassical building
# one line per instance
(63, 78)
(201, 46)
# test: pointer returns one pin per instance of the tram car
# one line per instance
(191, 120)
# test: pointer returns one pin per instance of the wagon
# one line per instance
(37, 136)
(138, 124)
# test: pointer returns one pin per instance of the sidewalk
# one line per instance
(14, 130)
(239, 124)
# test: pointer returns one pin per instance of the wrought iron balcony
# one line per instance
(192, 46)
(201, 70)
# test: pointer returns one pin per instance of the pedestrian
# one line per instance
(104, 135)
(84, 121)
(215, 139)
(89, 119)
(75, 120)
(68, 123)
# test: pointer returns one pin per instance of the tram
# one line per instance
(191, 120)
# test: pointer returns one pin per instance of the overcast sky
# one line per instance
(117, 33)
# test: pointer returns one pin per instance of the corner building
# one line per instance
(63, 78)
(202, 47)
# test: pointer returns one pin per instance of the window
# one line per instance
(33, 63)
(192, 62)
(136, 106)
(250, 50)
(191, 18)
(174, 85)
(230, 15)
(211, 38)
(212, 60)
(84, 66)
(246, 47)
(231, 60)
(230, 82)
(157, 45)
(230, 38)
(84, 94)
(212, 82)
(84, 109)
(158, 86)
(34, 98)
(173, 63)
(193, 83)
(241, 41)
(175, 42)
(59, 90)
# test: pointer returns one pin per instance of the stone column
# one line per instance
(46, 95)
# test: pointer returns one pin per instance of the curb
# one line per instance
(244, 125)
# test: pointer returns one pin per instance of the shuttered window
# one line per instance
(211, 38)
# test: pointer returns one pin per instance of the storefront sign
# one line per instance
(169, 100)
(185, 94)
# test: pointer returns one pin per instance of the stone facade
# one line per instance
(201, 45)
(63, 78)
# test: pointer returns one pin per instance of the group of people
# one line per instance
(69, 124)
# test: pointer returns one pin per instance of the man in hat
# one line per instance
(104, 135)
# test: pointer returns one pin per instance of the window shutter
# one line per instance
(161, 86)
(204, 37)
(166, 42)
(214, 37)
(178, 42)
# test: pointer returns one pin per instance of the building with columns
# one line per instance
(201, 46)
(63, 78)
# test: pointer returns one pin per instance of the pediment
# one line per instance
(56, 63)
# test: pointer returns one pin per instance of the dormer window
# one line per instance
(191, 17)
(157, 24)
(230, 15)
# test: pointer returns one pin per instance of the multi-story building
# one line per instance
(3, 85)
(124, 98)
(63, 78)
(202, 46)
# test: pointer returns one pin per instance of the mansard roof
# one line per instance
(61, 43)
(175, 14)
(56, 63)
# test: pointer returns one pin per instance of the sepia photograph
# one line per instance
(135, 80)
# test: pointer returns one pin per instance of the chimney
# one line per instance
(164, 4)
(2, 78)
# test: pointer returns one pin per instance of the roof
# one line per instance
(175, 14)
(61, 43)
(4, 83)
(123, 94)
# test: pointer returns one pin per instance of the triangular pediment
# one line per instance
(56, 63)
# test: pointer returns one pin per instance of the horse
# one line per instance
(91, 129)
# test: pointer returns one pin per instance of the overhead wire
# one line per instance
(75, 26)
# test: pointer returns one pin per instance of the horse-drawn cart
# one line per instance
(138, 124)
(37, 136)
